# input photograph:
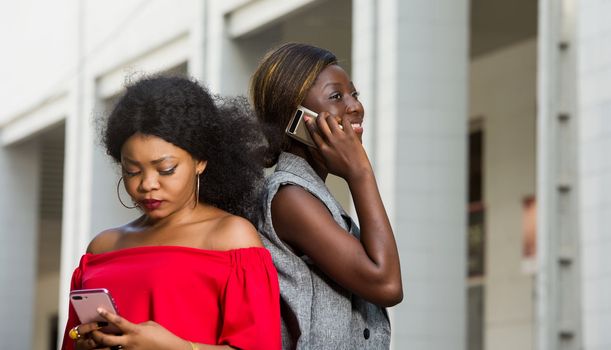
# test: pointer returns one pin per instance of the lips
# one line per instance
(151, 204)
(357, 127)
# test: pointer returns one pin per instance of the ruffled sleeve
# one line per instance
(251, 303)
(76, 283)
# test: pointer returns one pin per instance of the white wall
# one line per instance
(18, 232)
(594, 154)
(503, 92)
(37, 37)
(119, 32)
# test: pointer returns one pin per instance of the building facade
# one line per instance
(487, 123)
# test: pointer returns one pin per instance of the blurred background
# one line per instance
(488, 123)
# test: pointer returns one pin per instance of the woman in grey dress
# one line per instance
(335, 280)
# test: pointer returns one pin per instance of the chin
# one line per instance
(156, 214)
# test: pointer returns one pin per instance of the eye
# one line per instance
(356, 95)
(167, 172)
(130, 173)
(335, 96)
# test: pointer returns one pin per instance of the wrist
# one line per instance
(360, 175)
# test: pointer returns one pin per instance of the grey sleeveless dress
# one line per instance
(316, 312)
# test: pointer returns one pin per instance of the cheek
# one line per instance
(338, 112)
(131, 186)
(333, 108)
(179, 185)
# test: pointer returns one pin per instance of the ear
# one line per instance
(200, 166)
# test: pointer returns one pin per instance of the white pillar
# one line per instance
(558, 257)
(77, 172)
(594, 169)
(413, 55)
(19, 220)
(197, 42)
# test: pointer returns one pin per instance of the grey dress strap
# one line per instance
(317, 313)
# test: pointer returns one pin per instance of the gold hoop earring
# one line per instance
(119, 195)
(196, 191)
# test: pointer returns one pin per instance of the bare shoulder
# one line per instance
(234, 232)
(108, 240)
(105, 241)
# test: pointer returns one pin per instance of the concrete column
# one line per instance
(197, 42)
(558, 252)
(19, 182)
(594, 169)
(414, 56)
(77, 172)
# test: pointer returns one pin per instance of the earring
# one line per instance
(196, 191)
(119, 195)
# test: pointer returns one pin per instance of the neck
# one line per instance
(313, 157)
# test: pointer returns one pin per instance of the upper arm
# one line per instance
(305, 223)
(234, 232)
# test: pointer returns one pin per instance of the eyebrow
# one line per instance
(156, 161)
(331, 83)
(335, 83)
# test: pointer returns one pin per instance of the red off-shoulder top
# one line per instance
(205, 296)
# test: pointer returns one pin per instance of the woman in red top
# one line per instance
(191, 272)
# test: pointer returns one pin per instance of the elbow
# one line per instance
(395, 296)
(392, 294)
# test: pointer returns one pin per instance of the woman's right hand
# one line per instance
(339, 146)
(148, 335)
(85, 330)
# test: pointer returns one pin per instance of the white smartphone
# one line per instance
(297, 127)
(86, 303)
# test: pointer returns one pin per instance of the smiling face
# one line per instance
(159, 176)
(333, 92)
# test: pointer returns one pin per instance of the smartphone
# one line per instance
(86, 303)
(297, 127)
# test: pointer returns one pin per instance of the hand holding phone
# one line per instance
(86, 303)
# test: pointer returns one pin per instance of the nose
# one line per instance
(149, 182)
(354, 106)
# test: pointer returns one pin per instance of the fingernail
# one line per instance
(100, 310)
(102, 324)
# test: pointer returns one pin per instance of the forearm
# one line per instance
(377, 236)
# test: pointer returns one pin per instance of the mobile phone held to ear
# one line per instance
(86, 303)
(297, 127)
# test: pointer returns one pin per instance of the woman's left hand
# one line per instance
(147, 335)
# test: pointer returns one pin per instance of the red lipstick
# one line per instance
(151, 204)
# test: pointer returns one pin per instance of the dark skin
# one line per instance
(156, 169)
(368, 267)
